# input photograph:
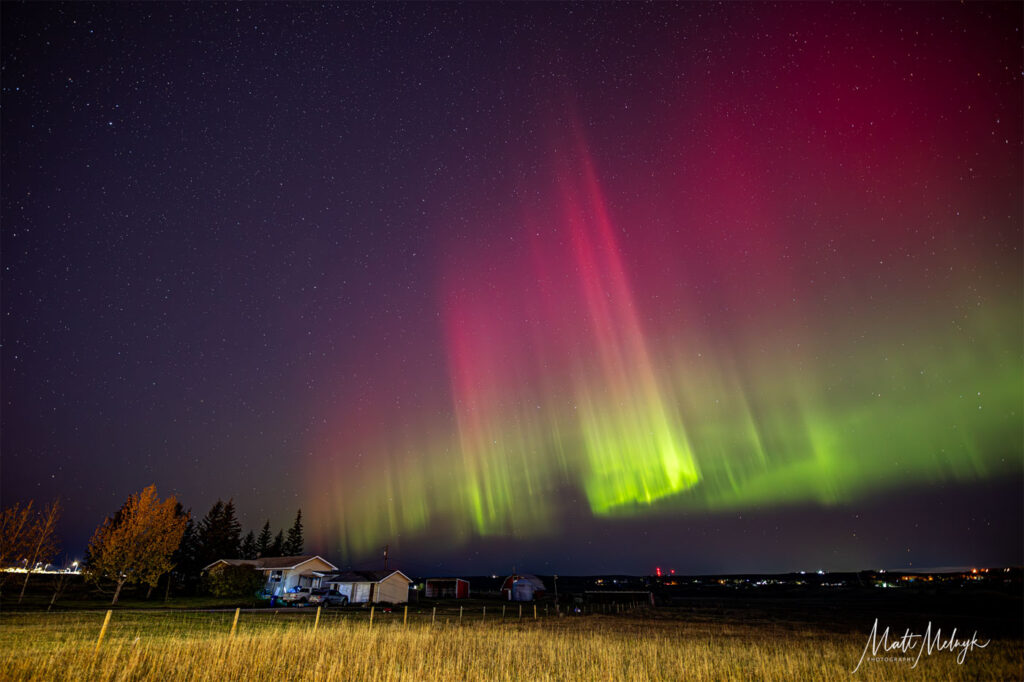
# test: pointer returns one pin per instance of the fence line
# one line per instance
(200, 622)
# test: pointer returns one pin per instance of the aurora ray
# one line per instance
(553, 385)
(743, 321)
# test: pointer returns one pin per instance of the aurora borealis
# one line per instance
(557, 382)
(507, 282)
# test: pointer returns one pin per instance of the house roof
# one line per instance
(273, 563)
(360, 576)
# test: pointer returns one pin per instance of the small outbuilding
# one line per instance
(522, 587)
(446, 588)
(372, 587)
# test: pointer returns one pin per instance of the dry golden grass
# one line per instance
(196, 646)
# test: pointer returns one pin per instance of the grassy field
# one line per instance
(644, 645)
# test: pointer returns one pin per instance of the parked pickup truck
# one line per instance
(296, 595)
(328, 597)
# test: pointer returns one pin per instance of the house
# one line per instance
(522, 587)
(369, 586)
(446, 588)
(284, 573)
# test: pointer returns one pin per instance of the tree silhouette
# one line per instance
(219, 534)
(277, 549)
(42, 541)
(264, 542)
(248, 550)
(293, 545)
(232, 533)
(15, 531)
(187, 556)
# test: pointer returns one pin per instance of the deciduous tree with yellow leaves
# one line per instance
(15, 532)
(27, 538)
(42, 541)
(135, 545)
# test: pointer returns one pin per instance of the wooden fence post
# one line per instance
(520, 611)
(371, 615)
(433, 614)
(535, 612)
(484, 617)
(317, 621)
(234, 624)
(460, 615)
(405, 615)
(503, 612)
(103, 630)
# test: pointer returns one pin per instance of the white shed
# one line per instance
(370, 586)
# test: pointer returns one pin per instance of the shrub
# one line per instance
(224, 580)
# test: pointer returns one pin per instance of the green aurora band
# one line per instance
(781, 436)
(559, 396)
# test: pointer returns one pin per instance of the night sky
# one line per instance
(578, 288)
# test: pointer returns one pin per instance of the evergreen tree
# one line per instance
(263, 543)
(248, 550)
(210, 535)
(219, 533)
(232, 532)
(186, 557)
(293, 545)
(277, 549)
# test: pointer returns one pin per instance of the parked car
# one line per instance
(328, 597)
(297, 595)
